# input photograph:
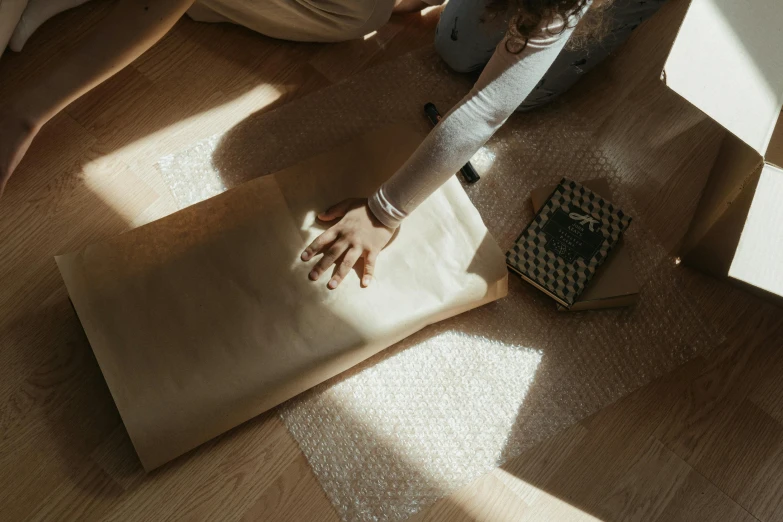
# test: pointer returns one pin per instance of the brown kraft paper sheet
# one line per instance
(206, 318)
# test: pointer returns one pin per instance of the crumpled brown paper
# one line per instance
(206, 318)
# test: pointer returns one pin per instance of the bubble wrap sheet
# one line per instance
(461, 397)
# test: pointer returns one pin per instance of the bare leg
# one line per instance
(129, 30)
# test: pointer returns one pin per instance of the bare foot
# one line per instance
(16, 134)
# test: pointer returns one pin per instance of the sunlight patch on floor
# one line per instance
(180, 154)
(197, 133)
(419, 423)
(502, 496)
(483, 160)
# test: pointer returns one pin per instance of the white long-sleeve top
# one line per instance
(503, 85)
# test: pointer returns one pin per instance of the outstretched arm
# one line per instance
(503, 85)
(365, 227)
(131, 28)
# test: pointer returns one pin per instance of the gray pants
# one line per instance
(466, 38)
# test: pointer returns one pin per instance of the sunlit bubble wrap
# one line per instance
(462, 397)
(190, 175)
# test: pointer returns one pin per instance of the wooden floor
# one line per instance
(702, 443)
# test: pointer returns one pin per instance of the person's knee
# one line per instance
(465, 39)
(455, 53)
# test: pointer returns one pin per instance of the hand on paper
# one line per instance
(15, 138)
(357, 234)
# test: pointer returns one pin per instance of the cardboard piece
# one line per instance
(206, 318)
(726, 60)
(614, 284)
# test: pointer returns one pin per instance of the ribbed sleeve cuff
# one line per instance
(384, 210)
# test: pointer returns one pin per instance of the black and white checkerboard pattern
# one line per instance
(530, 257)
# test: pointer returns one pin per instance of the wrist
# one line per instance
(384, 211)
(376, 222)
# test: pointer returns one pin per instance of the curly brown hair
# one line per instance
(529, 16)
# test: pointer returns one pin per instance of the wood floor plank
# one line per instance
(646, 489)
(49, 222)
(294, 496)
(106, 110)
(537, 466)
(34, 475)
(518, 480)
(65, 389)
(488, 498)
(745, 460)
(711, 398)
(43, 180)
(35, 341)
(761, 495)
(768, 391)
(115, 456)
(86, 497)
(722, 305)
(260, 453)
(260, 445)
(613, 442)
(549, 507)
(698, 500)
